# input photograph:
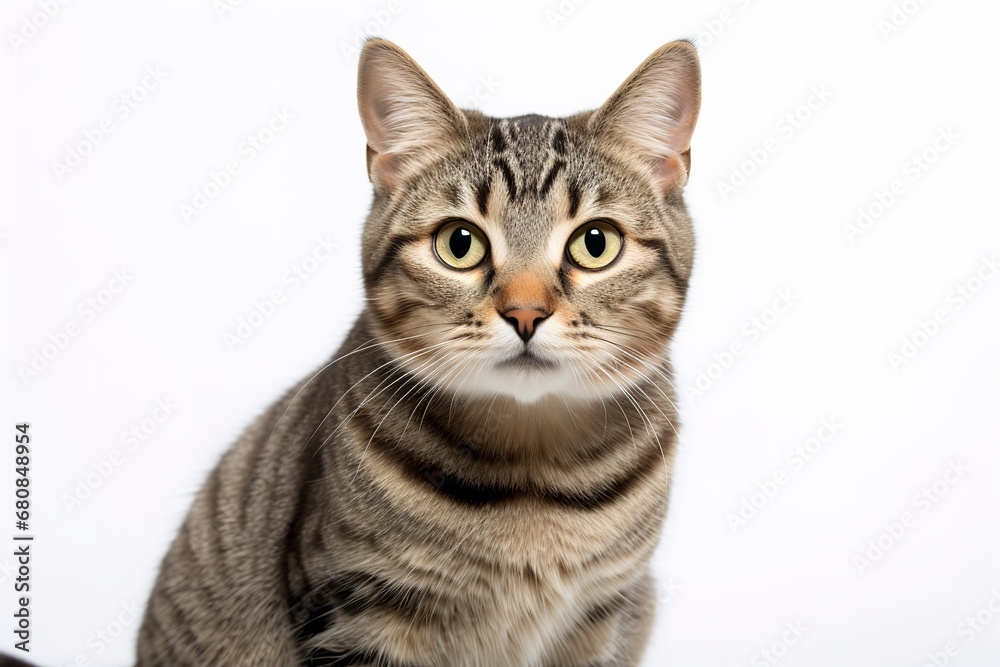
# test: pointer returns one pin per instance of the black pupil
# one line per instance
(460, 242)
(595, 242)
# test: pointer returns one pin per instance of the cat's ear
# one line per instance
(654, 112)
(407, 119)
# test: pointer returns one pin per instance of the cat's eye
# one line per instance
(460, 244)
(594, 245)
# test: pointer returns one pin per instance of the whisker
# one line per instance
(396, 360)
(627, 423)
(656, 438)
(364, 347)
(361, 460)
(659, 371)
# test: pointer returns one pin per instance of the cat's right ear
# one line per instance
(408, 120)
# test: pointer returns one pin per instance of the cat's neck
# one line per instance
(552, 427)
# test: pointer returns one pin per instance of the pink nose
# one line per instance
(524, 321)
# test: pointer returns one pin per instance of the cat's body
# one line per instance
(447, 491)
(449, 546)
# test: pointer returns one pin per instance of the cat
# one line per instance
(479, 477)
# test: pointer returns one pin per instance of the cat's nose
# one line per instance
(524, 321)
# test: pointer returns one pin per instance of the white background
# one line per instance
(728, 593)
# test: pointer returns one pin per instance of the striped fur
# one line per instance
(421, 501)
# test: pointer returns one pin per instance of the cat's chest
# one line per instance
(507, 620)
(521, 619)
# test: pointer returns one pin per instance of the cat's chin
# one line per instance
(526, 379)
(527, 384)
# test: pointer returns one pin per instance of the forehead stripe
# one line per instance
(551, 177)
(559, 141)
(483, 195)
(574, 198)
(508, 176)
(497, 140)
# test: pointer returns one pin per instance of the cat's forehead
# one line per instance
(526, 142)
(532, 131)
(521, 175)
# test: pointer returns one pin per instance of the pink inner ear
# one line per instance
(375, 109)
(670, 170)
(384, 168)
(376, 114)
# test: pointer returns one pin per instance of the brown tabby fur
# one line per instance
(422, 500)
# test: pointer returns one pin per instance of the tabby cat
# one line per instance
(479, 476)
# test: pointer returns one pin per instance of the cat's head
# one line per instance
(532, 255)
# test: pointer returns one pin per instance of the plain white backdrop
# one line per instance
(839, 456)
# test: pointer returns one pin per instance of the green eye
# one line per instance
(594, 245)
(460, 244)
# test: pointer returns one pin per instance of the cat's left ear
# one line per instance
(654, 112)
(408, 120)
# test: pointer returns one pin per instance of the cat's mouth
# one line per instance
(526, 360)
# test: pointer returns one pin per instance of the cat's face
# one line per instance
(528, 256)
